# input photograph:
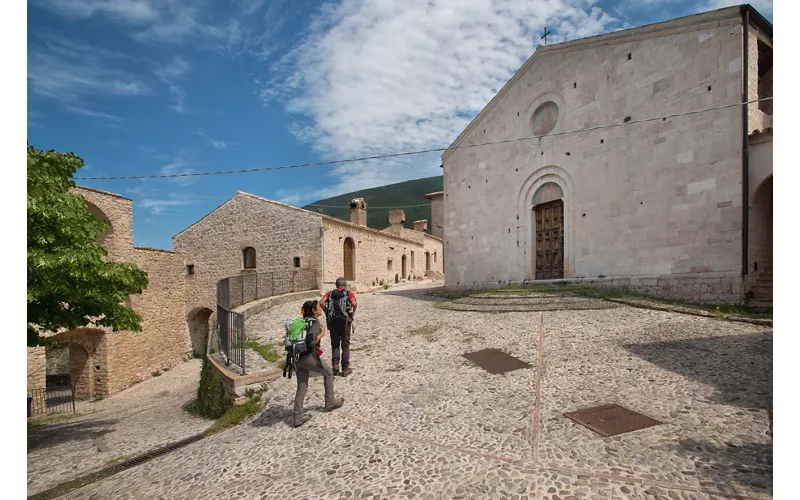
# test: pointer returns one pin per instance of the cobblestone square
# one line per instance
(421, 421)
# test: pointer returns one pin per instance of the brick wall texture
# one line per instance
(655, 200)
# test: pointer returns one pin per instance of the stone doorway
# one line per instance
(427, 261)
(349, 259)
(88, 367)
(198, 329)
(549, 230)
(403, 267)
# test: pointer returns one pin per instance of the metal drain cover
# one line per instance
(496, 362)
(610, 420)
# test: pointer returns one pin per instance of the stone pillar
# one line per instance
(421, 226)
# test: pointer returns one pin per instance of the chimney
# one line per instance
(358, 212)
(421, 226)
(397, 218)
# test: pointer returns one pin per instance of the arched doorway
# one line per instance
(403, 267)
(548, 228)
(349, 252)
(760, 244)
(87, 362)
(198, 323)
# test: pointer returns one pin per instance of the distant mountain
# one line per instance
(382, 199)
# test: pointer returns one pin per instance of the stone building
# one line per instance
(101, 362)
(599, 191)
(249, 234)
(245, 236)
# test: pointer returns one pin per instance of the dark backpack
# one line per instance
(340, 307)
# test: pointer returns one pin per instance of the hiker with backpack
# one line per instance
(340, 305)
(302, 339)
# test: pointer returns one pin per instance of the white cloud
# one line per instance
(130, 11)
(161, 206)
(92, 113)
(178, 99)
(178, 167)
(215, 143)
(175, 69)
(67, 80)
(380, 77)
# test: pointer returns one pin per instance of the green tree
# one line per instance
(69, 283)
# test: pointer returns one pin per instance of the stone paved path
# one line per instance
(139, 419)
(419, 421)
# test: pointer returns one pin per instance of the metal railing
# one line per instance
(51, 401)
(244, 288)
(237, 290)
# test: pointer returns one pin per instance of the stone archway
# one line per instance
(198, 322)
(533, 188)
(88, 367)
(99, 214)
(349, 264)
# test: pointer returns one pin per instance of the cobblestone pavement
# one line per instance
(143, 417)
(420, 421)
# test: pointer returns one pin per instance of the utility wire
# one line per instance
(423, 151)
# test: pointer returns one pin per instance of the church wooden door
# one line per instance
(550, 240)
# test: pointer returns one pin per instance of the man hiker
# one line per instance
(340, 305)
(307, 360)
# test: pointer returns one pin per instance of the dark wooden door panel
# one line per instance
(550, 240)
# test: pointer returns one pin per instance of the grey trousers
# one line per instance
(305, 365)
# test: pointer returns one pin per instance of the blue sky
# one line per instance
(142, 87)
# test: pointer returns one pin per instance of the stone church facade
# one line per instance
(655, 205)
(244, 236)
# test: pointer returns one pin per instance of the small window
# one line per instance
(297, 262)
(389, 265)
(189, 268)
(249, 258)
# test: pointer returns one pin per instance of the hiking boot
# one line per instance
(337, 403)
(301, 419)
(347, 371)
(336, 369)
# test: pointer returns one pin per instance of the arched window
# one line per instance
(249, 257)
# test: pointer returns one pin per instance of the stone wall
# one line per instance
(373, 251)
(437, 213)
(214, 244)
(103, 362)
(646, 199)
(164, 339)
(37, 368)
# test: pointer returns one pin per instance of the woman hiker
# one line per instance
(311, 362)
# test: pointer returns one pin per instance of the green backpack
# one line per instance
(295, 341)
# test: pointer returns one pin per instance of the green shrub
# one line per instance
(212, 402)
(156, 373)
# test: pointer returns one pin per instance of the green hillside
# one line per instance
(400, 195)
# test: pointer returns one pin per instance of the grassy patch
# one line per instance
(163, 393)
(267, 351)
(237, 414)
(427, 331)
(360, 348)
(156, 373)
(469, 364)
(35, 422)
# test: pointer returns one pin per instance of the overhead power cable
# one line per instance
(423, 151)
